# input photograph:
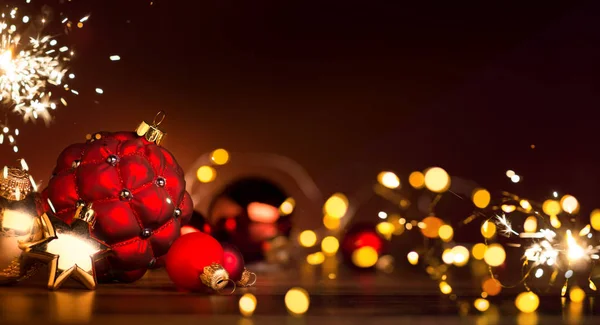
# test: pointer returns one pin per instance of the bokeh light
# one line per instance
(576, 294)
(510, 173)
(315, 258)
(488, 229)
(515, 178)
(431, 226)
(551, 207)
(530, 224)
(416, 180)
(297, 301)
(478, 251)
(336, 206)
(206, 174)
(569, 204)
(527, 302)
(460, 255)
(307, 238)
(494, 255)
(445, 288)
(595, 219)
(481, 198)
(437, 180)
(413, 258)
(491, 287)
(365, 257)
(481, 304)
(389, 180)
(330, 245)
(525, 205)
(446, 233)
(386, 229)
(220, 156)
(331, 223)
(287, 207)
(247, 304)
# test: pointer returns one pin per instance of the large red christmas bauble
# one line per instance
(188, 257)
(138, 192)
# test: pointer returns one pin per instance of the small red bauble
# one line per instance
(138, 192)
(233, 262)
(361, 235)
(188, 257)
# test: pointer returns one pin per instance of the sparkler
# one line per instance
(29, 67)
(554, 248)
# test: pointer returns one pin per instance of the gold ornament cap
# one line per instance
(85, 213)
(248, 279)
(151, 131)
(16, 183)
(215, 277)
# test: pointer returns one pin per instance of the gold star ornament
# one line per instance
(69, 251)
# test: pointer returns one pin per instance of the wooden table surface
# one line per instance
(351, 298)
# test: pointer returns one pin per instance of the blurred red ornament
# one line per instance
(137, 190)
(189, 256)
(359, 236)
(233, 261)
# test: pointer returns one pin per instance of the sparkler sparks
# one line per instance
(29, 67)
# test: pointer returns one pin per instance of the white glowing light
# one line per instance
(515, 178)
(72, 251)
(115, 58)
(382, 215)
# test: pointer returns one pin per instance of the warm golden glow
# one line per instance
(527, 302)
(365, 257)
(315, 258)
(331, 223)
(448, 256)
(576, 294)
(445, 288)
(330, 245)
(555, 222)
(494, 255)
(206, 174)
(287, 207)
(488, 229)
(413, 258)
(247, 304)
(446, 233)
(530, 225)
(416, 180)
(437, 180)
(551, 207)
(508, 208)
(574, 251)
(481, 304)
(569, 204)
(525, 205)
(220, 156)
(18, 221)
(72, 251)
(431, 226)
(386, 229)
(595, 219)
(478, 251)
(336, 206)
(297, 301)
(389, 180)
(460, 255)
(307, 238)
(481, 198)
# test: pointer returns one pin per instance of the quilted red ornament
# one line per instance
(137, 190)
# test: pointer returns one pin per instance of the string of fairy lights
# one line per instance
(551, 245)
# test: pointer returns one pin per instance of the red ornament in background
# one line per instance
(188, 258)
(361, 235)
(233, 262)
(137, 190)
